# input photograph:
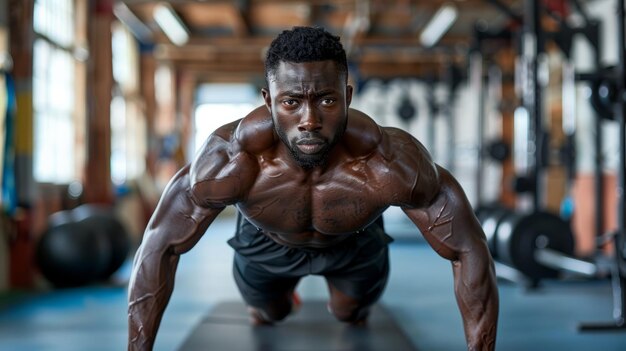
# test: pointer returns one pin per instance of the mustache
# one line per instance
(310, 139)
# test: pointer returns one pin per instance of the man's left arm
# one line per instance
(448, 223)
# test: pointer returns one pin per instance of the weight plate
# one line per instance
(519, 235)
(490, 223)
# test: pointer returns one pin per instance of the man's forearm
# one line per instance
(149, 294)
(144, 316)
(477, 297)
(139, 338)
(481, 333)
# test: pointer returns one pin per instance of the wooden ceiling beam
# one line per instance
(397, 70)
(243, 10)
(252, 72)
(209, 52)
(183, 2)
(231, 36)
(246, 53)
(383, 42)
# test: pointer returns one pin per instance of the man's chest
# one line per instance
(338, 202)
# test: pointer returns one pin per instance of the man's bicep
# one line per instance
(179, 220)
(218, 177)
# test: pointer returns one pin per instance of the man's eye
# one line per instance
(290, 102)
(328, 101)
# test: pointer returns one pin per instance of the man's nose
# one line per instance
(310, 120)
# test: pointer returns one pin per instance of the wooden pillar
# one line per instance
(506, 61)
(165, 123)
(98, 188)
(147, 68)
(80, 89)
(187, 87)
(4, 51)
(21, 239)
(555, 176)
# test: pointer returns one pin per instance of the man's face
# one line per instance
(309, 106)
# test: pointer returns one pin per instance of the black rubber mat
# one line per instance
(312, 328)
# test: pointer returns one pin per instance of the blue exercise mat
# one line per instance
(312, 328)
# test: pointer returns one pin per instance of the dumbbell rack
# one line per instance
(618, 272)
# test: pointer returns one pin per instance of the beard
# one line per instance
(309, 161)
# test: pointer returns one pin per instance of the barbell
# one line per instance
(538, 244)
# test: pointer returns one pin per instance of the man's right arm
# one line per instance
(176, 226)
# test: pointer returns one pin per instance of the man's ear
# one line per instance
(267, 99)
(349, 90)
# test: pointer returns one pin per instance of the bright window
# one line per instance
(211, 116)
(220, 104)
(54, 92)
(128, 127)
(54, 19)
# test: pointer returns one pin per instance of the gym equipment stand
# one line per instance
(618, 272)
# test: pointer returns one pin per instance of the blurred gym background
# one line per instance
(102, 101)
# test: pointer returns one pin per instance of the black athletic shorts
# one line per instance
(265, 270)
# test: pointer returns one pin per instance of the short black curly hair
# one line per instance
(305, 44)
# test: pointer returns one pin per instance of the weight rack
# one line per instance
(618, 272)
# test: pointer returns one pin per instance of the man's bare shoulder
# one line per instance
(363, 135)
(401, 143)
(226, 166)
(412, 165)
(393, 142)
(255, 132)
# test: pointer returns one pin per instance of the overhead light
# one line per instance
(439, 25)
(134, 24)
(170, 24)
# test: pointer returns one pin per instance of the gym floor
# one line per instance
(419, 295)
